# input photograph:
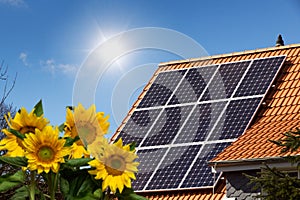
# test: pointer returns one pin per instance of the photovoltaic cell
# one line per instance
(225, 81)
(167, 126)
(162, 89)
(171, 136)
(235, 119)
(193, 85)
(200, 122)
(138, 125)
(259, 76)
(173, 167)
(201, 174)
(148, 159)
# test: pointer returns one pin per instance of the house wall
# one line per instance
(238, 187)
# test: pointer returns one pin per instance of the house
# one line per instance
(277, 113)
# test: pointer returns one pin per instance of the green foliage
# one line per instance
(9, 181)
(76, 163)
(276, 184)
(38, 109)
(128, 194)
(79, 185)
(17, 133)
(290, 142)
(70, 141)
(14, 161)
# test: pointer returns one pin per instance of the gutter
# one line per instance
(251, 164)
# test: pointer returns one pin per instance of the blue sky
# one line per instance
(47, 42)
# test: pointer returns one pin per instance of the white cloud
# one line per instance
(15, 3)
(23, 57)
(51, 66)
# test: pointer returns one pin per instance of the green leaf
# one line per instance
(134, 196)
(15, 161)
(132, 146)
(17, 133)
(78, 185)
(85, 187)
(38, 109)
(61, 127)
(70, 141)
(98, 193)
(11, 180)
(78, 162)
(64, 186)
(128, 194)
(21, 193)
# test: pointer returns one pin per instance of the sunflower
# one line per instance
(97, 148)
(88, 125)
(116, 167)
(44, 150)
(23, 122)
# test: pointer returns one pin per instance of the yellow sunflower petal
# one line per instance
(44, 150)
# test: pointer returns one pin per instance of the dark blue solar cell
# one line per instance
(167, 126)
(193, 85)
(259, 76)
(162, 89)
(138, 125)
(236, 118)
(201, 174)
(148, 159)
(174, 166)
(225, 80)
(200, 122)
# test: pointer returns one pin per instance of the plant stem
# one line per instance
(32, 185)
(52, 185)
(55, 185)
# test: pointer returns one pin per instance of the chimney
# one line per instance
(279, 41)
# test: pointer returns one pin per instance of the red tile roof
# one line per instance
(279, 114)
(199, 194)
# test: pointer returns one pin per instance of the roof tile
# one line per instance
(281, 114)
(199, 194)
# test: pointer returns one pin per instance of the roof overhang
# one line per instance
(251, 164)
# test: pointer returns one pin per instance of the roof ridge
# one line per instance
(228, 54)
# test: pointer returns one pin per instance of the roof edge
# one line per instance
(228, 54)
(252, 164)
(226, 162)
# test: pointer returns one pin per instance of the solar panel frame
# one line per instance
(203, 143)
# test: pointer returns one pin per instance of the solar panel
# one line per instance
(189, 116)
(162, 88)
(201, 121)
(167, 126)
(201, 167)
(260, 74)
(193, 84)
(139, 123)
(225, 81)
(173, 167)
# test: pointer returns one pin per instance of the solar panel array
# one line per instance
(188, 116)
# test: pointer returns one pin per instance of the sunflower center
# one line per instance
(45, 153)
(87, 132)
(115, 166)
(27, 129)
